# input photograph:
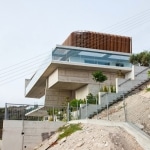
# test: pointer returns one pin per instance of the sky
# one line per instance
(30, 29)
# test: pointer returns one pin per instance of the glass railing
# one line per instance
(39, 72)
(91, 57)
(75, 55)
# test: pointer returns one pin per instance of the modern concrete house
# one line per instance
(67, 72)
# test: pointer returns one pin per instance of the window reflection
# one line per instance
(99, 58)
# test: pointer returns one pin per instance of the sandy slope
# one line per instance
(96, 137)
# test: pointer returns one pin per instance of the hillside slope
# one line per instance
(137, 110)
(93, 137)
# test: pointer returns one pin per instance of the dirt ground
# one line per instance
(96, 137)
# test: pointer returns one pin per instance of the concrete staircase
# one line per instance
(125, 88)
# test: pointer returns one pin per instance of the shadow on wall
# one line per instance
(46, 135)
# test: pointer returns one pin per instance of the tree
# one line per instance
(148, 74)
(133, 59)
(91, 99)
(76, 103)
(142, 59)
(98, 76)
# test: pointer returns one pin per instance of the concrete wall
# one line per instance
(82, 92)
(53, 78)
(140, 75)
(34, 133)
(56, 97)
(57, 94)
(77, 76)
(12, 138)
(73, 75)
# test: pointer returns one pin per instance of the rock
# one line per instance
(62, 140)
(99, 145)
(106, 144)
(148, 116)
(80, 144)
(140, 126)
(53, 138)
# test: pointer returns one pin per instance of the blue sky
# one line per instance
(31, 28)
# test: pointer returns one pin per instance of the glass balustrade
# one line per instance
(77, 55)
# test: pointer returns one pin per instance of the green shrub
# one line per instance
(148, 89)
(68, 130)
(105, 89)
(91, 99)
(76, 103)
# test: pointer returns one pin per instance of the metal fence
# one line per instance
(126, 107)
(129, 107)
(40, 112)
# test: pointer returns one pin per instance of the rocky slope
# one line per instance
(137, 110)
(94, 137)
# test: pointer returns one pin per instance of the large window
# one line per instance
(91, 57)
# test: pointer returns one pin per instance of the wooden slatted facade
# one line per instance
(101, 41)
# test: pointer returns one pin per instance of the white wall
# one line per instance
(34, 133)
(82, 92)
(53, 78)
(12, 137)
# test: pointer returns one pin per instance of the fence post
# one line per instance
(53, 114)
(68, 113)
(97, 107)
(125, 115)
(107, 107)
(77, 111)
(86, 110)
(6, 113)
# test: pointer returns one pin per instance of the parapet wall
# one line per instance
(101, 41)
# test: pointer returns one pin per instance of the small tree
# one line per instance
(142, 59)
(76, 103)
(91, 99)
(99, 77)
(148, 74)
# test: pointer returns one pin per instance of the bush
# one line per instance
(148, 89)
(76, 103)
(91, 99)
(68, 130)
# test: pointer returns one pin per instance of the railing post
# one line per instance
(86, 110)
(68, 113)
(77, 112)
(125, 113)
(53, 114)
(97, 106)
(6, 113)
(107, 106)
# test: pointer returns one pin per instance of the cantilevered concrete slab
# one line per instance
(66, 57)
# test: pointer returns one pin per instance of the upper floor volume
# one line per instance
(81, 52)
(102, 41)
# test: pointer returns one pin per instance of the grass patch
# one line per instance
(148, 89)
(68, 130)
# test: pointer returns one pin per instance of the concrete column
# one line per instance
(117, 90)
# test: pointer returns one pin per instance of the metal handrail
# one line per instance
(135, 76)
(141, 71)
(124, 82)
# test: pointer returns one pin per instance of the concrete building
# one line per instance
(67, 72)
